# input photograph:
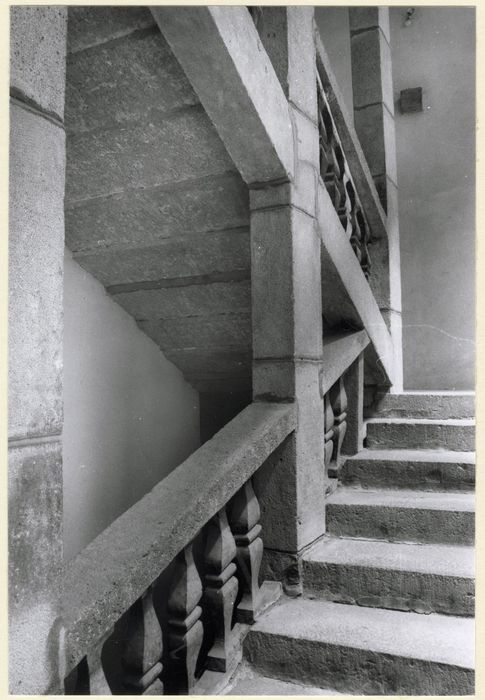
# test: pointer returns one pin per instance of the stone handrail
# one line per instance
(339, 351)
(354, 155)
(115, 574)
(346, 294)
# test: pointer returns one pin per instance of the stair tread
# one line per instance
(431, 392)
(395, 420)
(434, 638)
(254, 683)
(430, 500)
(442, 560)
(414, 456)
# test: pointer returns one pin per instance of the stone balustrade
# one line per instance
(171, 619)
(336, 175)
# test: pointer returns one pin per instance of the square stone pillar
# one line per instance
(354, 387)
(36, 249)
(374, 123)
(286, 306)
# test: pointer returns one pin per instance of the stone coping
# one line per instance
(114, 570)
(338, 352)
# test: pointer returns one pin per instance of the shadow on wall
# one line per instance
(129, 416)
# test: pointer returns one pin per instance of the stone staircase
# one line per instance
(388, 597)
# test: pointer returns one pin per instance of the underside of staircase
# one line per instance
(388, 593)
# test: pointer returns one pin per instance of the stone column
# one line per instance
(374, 123)
(36, 247)
(286, 306)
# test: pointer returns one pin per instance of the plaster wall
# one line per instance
(129, 415)
(435, 177)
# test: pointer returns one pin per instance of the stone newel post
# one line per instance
(374, 123)
(286, 304)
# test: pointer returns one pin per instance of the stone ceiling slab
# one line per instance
(145, 217)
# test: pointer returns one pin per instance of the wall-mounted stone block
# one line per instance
(38, 55)
(36, 250)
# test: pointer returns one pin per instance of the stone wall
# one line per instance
(36, 247)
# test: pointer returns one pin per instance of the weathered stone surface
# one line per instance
(375, 126)
(426, 434)
(212, 362)
(35, 560)
(406, 516)
(145, 216)
(371, 81)
(354, 154)
(354, 387)
(37, 55)
(36, 250)
(207, 331)
(364, 650)
(291, 498)
(185, 145)
(340, 350)
(248, 682)
(427, 470)
(409, 577)
(301, 59)
(194, 300)
(209, 256)
(128, 81)
(352, 291)
(89, 25)
(113, 571)
(427, 404)
(235, 81)
(280, 272)
(369, 17)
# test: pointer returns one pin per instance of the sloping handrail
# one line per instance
(356, 161)
(112, 572)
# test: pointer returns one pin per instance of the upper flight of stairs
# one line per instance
(388, 593)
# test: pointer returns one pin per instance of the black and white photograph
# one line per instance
(241, 349)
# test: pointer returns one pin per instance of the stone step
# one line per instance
(249, 682)
(421, 578)
(426, 470)
(405, 516)
(364, 650)
(429, 404)
(421, 434)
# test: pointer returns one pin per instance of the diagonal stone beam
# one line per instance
(222, 56)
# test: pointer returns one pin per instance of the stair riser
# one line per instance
(427, 406)
(391, 589)
(418, 436)
(401, 524)
(427, 476)
(351, 670)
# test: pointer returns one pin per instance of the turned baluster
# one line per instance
(96, 678)
(329, 421)
(244, 515)
(142, 654)
(338, 399)
(186, 632)
(220, 590)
